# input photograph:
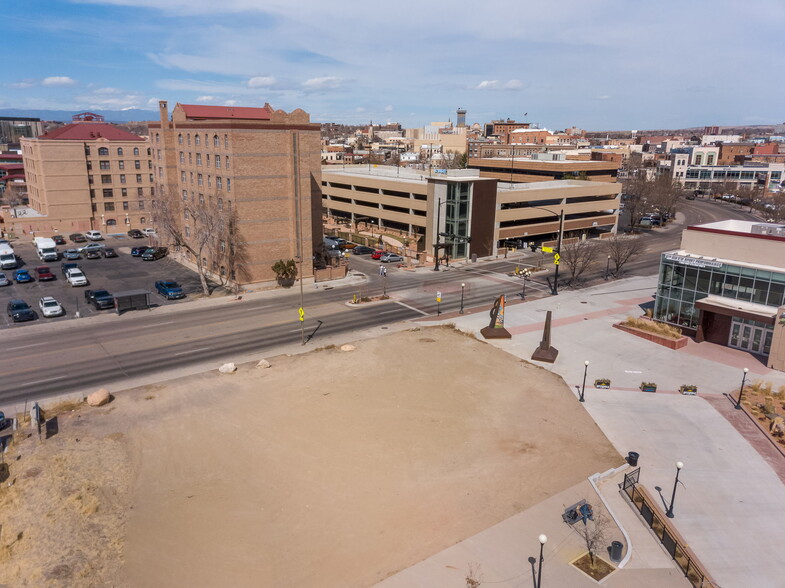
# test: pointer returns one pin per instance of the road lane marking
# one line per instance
(412, 308)
(191, 351)
(42, 381)
(26, 346)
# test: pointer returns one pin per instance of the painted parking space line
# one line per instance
(46, 380)
(191, 351)
(26, 346)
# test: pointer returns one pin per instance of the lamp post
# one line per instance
(583, 386)
(741, 389)
(669, 512)
(543, 540)
(608, 268)
(462, 288)
(127, 221)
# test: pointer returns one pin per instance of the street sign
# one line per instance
(301, 312)
(438, 296)
(556, 257)
(546, 249)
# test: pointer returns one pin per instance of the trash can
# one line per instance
(474, 258)
(616, 549)
(632, 458)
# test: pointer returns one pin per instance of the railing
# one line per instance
(673, 542)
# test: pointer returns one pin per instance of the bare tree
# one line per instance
(202, 227)
(594, 532)
(664, 194)
(578, 257)
(474, 576)
(621, 249)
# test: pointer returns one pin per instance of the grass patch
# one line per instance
(649, 326)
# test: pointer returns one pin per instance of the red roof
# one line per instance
(90, 132)
(198, 111)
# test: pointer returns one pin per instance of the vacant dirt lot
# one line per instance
(329, 469)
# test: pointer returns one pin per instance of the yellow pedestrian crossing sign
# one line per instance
(556, 258)
(547, 249)
(301, 312)
(438, 296)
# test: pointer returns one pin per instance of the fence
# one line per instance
(673, 542)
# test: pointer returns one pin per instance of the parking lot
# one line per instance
(115, 274)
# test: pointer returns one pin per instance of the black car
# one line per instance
(20, 311)
(137, 251)
(362, 250)
(91, 254)
(109, 252)
(77, 238)
(101, 299)
(59, 240)
(154, 253)
(136, 234)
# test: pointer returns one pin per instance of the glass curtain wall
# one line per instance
(457, 217)
(680, 286)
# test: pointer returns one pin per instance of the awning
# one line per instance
(738, 308)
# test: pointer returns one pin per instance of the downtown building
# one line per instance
(259, 165)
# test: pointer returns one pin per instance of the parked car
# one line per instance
(154, 253)
(64, 267)
(169, 289)
(101, 299)
(136, 234)
(94, 235)
(77, 238)
(362, 250)
(391, 258)
(71, 254)
(58, 239)
(137, 251)
(109, 252)
(44, 274)
(91, 254)
(149, 232)
(91, 247)
(20, 311)
(341, 242)
(76, 277)
(50, 307)
(4, 280)
(22, 276)
(378, 254)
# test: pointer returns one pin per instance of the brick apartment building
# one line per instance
(260, 163)
(85, 175)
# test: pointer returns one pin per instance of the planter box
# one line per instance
(659, 339)
(648, 388)
(602, 386)
(689, 390)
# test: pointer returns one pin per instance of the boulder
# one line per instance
(227, 368)
(263, 364)
(99, 397)
(348, 347)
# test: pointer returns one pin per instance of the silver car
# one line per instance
(3, 280)
(391, 258)
(50, 307)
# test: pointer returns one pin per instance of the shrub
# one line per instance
(661, 329)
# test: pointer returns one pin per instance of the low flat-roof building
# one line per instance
(492, 213)
(726, 285)
(553, 166)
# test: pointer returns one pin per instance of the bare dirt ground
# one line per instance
(328, 469)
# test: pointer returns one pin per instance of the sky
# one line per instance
(598, 65)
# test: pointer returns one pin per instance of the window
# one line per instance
(199, 180)
(207, 160)
(223, 246)
(137, 164)
(182, 158)
(158, 153)
(698, 159)
(190, 158)
(124, 192)
(138, 178)
(189, 139)
(201, 199)
(87, 149)
(227, 162)
(103, 151)
(191, 174)
(209, 181)
(216, 141)
(108, 193)
(180, 139)
(136, 150)
(220, 204)
(226, 141)
(119, 152)
(92, 193)
(182, 176)
(106, 179)
(710, 159)
(160, 172)
(185, 195)
(219, 183)
(89, 165)
(229, 204)
(141, 206)
(121, 164)
(198, 159)
(228, 184)
(95, 208)
(185, 214)
(89, 179)
(187, 231)
(122, 178)
(218, 162)
(142, 219)
(140, 192)
(197, 140)
(125, 205)
(157, 137)
(104, 165)
(127, 220)
(108, 206)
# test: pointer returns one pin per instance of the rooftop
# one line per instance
(402, 174)
(90, 131)
(743, 228)
(200, 111)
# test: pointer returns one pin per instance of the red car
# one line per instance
(44, 274)
(377, 254)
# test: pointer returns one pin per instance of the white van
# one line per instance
(7, 257)
(46, 249)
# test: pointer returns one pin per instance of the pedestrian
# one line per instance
(381, 269)
(384, 272)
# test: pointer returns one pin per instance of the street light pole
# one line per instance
(560, 214)
(462, 288)
(608, 268)
(543, 539)
(669, 513)
(583, 386)
(741, 389)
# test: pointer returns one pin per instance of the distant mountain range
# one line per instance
(117, 116)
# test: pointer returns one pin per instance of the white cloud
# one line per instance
(230, 103)
(58, 81)
(497, 85)
(323, 83)
(23, 84)
(359, 109)
(388, 108)
(487, 85)
(261, 82)
(513, 85)
(153, 102)
(205, 99)
(107, 91)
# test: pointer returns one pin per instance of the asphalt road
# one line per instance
(77, 355)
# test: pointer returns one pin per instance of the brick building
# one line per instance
(260, 163)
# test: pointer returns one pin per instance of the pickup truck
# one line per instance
(69, 265)
(101, 299)
(169, 289)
